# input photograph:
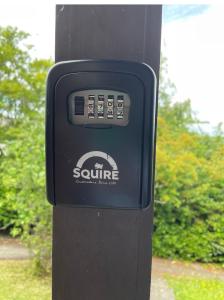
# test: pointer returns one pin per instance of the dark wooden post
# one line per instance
(104, 254)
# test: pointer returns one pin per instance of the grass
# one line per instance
(191, 288)
(17, 284)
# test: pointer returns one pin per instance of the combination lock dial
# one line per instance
(99, 107)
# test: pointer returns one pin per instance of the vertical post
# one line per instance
(104, 254)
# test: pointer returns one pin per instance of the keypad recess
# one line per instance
(99, 107)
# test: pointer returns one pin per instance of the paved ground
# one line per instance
(163, 266)
(12, 249)
(160, 289)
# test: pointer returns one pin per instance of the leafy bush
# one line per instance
(23, 206)
(189, 198)
(24, 191)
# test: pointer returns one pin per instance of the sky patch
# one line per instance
(177, 12)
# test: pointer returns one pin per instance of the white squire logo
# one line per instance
(99, 173)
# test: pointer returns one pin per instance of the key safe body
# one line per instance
(100, 134)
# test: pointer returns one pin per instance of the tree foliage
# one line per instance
(23, 206)
(189, 186)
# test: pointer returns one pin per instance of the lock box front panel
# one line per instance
(97, 160)
(101, 129)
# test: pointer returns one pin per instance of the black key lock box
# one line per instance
(100, 134)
